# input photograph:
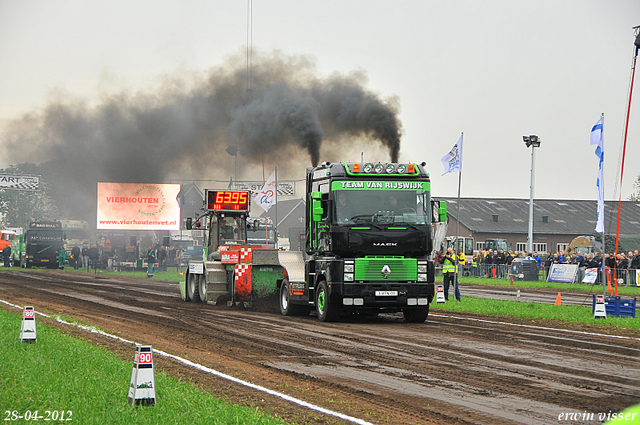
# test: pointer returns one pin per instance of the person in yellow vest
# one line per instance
(474, 264)
(449, 267)
(461, 257)
(462, 263)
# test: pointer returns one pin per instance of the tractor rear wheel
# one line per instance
(192, 288)
(202, 287)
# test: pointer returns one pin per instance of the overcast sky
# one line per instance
(495, 70)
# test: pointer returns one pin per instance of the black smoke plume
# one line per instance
(183, 130)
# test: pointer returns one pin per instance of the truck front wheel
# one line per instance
(416, 315)
(326, 309)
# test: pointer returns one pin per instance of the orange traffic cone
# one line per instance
(558, 302)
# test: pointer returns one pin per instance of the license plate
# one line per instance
(386, 293)
(45, 261)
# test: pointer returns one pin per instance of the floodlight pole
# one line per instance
(534, 142)
(530, 234)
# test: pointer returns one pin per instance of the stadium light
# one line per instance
(532, 141)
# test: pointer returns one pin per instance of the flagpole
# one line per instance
(266, 218)
(604, 275)
(455, 281)
(275, 223)
(624, 149)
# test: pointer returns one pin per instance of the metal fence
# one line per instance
(501, 271)
(492, 271)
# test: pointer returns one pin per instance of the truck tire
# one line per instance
(192, 288)
(202, 287)
(327, 310)
(288, 309)
(416, 315)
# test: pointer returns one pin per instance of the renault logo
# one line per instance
(386, 271)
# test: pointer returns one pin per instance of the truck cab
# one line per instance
(262, 232)
(370, 240)
(43, 243)
(496, 245)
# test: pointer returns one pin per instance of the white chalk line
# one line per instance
(211, 371)
(536, 327)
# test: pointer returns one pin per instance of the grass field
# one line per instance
(532, 310)
(59, 375)
(171, 275)
(596, 289)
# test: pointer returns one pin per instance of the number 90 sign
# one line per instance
(29, 313)
(143, 358)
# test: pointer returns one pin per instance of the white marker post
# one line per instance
(142, 389)
(599, 309)
(440, 294)
(28, 328)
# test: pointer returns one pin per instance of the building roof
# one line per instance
(551, 216)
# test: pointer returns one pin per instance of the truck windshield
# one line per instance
(78, 234)
(496, 244)
(182, 243)
(258, 235)
(381, 206)
(44, 235)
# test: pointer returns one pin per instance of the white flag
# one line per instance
(267, 196)
(596, 139)
(453, 160)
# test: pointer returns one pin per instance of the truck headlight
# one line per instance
(422, 271)
(348, 269)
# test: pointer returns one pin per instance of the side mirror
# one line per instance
(316, 206)
(442, 211)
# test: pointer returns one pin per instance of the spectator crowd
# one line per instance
(496, 264)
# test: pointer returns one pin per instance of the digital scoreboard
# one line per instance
(228, 200)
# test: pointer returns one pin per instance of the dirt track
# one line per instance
(452, 369)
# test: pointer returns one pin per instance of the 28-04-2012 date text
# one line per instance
(28, 415)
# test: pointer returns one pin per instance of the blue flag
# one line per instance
(596, 139)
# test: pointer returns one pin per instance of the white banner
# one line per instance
(591, 276)
(19, 182)
(284, 188)
(562, 273)
(138, 206)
